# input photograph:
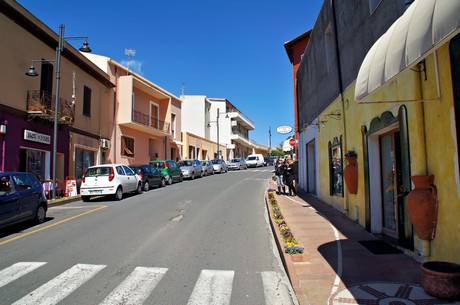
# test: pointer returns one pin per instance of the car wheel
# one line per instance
(40, 215)
(170, 180)
(119, 193)
(139, 188)
(193, 176)
(146, 186)
(163, 182)
(85, 198)
(201, 174)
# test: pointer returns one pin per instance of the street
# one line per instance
(205, 241)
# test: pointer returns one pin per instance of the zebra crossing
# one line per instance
(213, 287)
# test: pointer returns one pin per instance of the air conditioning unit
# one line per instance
(105, 144)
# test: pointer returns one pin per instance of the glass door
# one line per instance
(391, 177)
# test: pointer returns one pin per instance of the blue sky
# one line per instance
(230, 49)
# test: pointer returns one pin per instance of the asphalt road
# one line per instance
(206, 241)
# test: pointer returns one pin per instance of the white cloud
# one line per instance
(133, 65)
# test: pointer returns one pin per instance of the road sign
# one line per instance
(292, 141)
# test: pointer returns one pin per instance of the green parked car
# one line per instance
(170, 170)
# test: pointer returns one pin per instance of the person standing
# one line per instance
(279, 173)
(290, 172)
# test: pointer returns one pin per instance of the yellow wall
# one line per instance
(432, 140)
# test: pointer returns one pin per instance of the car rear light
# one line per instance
(141, 175)
(84, 176)
(112, 174)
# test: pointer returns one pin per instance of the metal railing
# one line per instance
(41, 104)
(150, 121)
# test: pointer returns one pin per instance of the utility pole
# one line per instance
(270, 141)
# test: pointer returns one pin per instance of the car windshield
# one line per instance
(235, 160)
(215, 162)
(252, 158)
(204, 163)
(185, 163)
(98, 171)
(158, 164)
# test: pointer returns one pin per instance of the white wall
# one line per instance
(194, 114)
(310, 134)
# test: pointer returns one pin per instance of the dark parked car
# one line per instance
(21, 199)
(150, 176)
(270, 161)
(170, 170)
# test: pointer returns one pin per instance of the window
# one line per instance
(127, 146)
(87, 101)
(335, 167)
(173, 125)
(83, 160)
(328, 46)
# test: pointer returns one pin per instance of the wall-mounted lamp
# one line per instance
(421, 68)
(3, 127)
(318, 124)
(335, 114)
(32, 72)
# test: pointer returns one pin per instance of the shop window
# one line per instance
(83, 160)
(127, 146)
(335, 167)
(87, 101)
(33, 161)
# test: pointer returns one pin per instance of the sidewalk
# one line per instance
(336, 268)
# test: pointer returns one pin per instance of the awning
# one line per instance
(423, 27)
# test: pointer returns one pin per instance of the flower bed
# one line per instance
(291, 246)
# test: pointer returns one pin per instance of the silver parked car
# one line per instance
(220, 166)
(237, 164)
(191, 168)
(208, 169)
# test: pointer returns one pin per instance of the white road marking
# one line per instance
(16, 271)
(276, 292)
(214, 287)
(136, 288)
(61, 286)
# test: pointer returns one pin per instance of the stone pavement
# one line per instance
(336, 268)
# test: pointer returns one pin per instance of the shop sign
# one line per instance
(36, 137)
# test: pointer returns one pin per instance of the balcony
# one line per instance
(41, 104)
(238, 135)
(145, 123)
(241, 119)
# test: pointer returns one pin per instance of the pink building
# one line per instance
(145, 119)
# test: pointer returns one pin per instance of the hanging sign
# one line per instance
(284, 129)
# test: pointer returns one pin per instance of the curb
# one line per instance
(57, 202)
(285, 258)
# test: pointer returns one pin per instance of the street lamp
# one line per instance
(32, 72)
(217, 124)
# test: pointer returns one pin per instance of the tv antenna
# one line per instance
(130, 53)
(182, 89)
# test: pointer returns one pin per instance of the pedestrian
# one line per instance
(279, 173)
(290, 173)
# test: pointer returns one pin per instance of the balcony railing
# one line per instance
(41, 104)
(237, 131)
(150, 121)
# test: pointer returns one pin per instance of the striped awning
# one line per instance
(424, 26)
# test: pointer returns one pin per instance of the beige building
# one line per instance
(28, 104)
(145, 119)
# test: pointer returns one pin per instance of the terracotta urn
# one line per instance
(422, 206)
(441, 279)
(350, 173)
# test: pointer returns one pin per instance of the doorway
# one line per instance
(387, 178)
(311, 167)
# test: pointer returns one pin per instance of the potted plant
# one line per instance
(350, 173)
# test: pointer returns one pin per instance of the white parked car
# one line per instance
(109, 179)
